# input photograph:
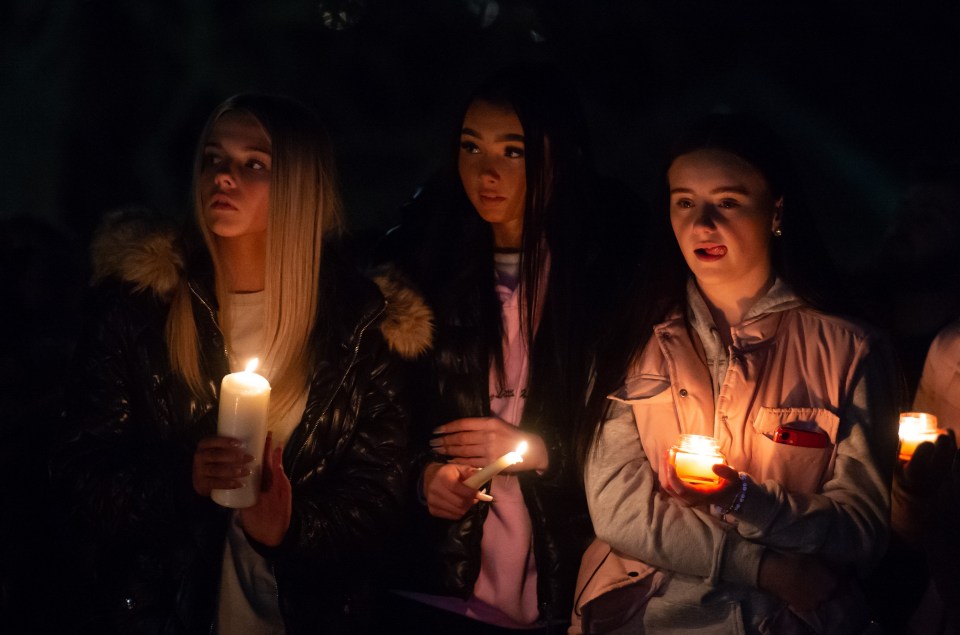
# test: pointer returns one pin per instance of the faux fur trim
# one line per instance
(136, 248)
(139, 249)
(408, 324)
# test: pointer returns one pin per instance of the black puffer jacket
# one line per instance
(449, 562)
(131, 426)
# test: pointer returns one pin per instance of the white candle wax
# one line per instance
(477, 479)
(244, 400)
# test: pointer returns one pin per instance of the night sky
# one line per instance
(102, 99)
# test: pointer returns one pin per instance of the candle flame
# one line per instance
(699, 444)
(252, 365)
(522, 448)
(916, 423)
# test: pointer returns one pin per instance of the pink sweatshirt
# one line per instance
(505, 593)
(508, 574)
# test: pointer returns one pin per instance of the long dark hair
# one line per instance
(568, 215)
(556, 156)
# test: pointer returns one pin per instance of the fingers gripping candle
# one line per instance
(244, 401)
(480, 477)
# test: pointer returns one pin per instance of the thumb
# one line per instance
(725, 472)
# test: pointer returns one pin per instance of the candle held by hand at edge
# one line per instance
(477, 479)
(916, 428)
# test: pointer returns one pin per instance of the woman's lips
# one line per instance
(490, 198)
(221, 202)
(710, 254)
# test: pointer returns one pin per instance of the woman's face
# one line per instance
(723, 215)
(235, 177)
(493, 169)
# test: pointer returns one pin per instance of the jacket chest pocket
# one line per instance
(794, 446)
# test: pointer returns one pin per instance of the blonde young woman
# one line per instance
(141, 454)
(800, 401)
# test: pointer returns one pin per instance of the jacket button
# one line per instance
(683, 392)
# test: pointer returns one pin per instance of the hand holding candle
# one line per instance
(244, 402)
(478, 478)
(916, 428)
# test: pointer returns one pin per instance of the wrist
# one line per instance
(427, 474)
(740, 495)
(541, 459)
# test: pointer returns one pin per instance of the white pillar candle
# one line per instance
(244, 400)
(478, 478)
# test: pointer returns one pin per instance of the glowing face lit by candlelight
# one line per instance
(493, 169)
(723, 216)
(234, 180)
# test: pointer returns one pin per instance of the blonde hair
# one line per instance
(304, 205)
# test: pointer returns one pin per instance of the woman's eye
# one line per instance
(469, 147)
(513, 152)
(253, 164)
(683, 203)
(211, 159)
(728, 203)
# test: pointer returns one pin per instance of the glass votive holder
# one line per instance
(694, 456)
(916, 428)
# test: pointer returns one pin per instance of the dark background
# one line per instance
(102, 99)
(101, 102)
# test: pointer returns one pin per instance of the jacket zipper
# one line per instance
(213, 319)
(226, 356)
(343, 378)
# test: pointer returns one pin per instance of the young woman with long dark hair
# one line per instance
(518, 256)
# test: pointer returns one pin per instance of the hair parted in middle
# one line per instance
(304, 207)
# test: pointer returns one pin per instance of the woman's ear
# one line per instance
(777, 219)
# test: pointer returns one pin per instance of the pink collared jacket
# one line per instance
(789, 367)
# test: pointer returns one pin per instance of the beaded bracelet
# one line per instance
(738, 499)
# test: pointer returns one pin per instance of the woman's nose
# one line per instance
(223, 177)
(488, 168)
(706, 217)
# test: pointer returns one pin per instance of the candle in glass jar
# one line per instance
(694, 456)
(483, 475)
(916, 428)
(244, 401)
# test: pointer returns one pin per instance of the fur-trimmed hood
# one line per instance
(143, 251)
